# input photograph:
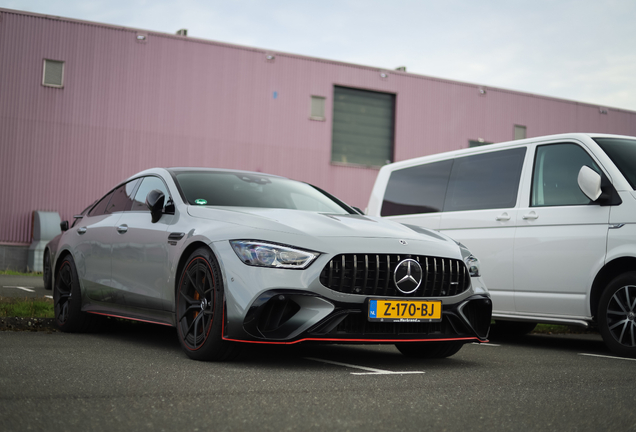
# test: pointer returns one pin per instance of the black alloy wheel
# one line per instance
(617, 315)
(67, 300)
(199, 306)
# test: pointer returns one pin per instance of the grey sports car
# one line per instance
(233, 257)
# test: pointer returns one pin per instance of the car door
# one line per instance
(140, 264)
(561, 238)
(480, 212)
(93, 248)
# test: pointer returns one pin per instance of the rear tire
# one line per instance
(46, 271)
(199, 306)
(67, 300)
(429, 350)
(617, 315)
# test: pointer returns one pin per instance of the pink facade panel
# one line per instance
(129, 104)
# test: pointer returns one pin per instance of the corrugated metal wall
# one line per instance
(128, 105)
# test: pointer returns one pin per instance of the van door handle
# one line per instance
(531, 216)
(503, 217)
(81, 230)
(121, 229)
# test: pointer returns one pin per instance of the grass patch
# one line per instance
(26, 307)
(17, 273)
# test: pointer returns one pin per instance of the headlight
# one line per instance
(471, 261)
(261, 254)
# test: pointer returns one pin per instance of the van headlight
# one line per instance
(261, 254)
(471, 261)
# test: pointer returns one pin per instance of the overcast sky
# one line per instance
(582, 50)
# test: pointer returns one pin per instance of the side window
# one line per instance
(122, 197)
(556, 170)
(485, 181)
(148, 184)
(100, 207)
(419, 189)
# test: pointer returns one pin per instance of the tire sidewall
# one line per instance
(213, 346)
(74, 320)
(611, 289)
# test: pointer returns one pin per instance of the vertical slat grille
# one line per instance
(373, 275)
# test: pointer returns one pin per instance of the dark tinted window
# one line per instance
(122, 197)
(623, 153)
(419, 189)
(100, 207)
(555, 175)
(148, 184)
(253, 190)
(485, 181)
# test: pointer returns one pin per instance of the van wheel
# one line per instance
(617, 315)
(511, 329)
(429, 350)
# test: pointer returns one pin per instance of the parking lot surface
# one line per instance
(135, 377)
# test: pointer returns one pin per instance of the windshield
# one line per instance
(253, 190)
(623, 153)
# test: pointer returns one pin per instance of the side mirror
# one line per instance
(590, 182)
(154, 201)
(64, 226)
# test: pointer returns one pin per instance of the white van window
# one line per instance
(485, 181)
(556, 170)
(419, 189)
(623, 153)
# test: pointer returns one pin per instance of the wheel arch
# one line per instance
(610, 271)
(185, 254)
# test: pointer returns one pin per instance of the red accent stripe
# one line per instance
(129, 318)
(356, 340)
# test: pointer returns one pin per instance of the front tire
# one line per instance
(199, 306)
(617, 315)
(67, 300)
(430, 350)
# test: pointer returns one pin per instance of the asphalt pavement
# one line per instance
(23, 286)
(135, 377)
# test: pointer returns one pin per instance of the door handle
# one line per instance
(503, 217)
(531, 216)
(121, 229)
(81, 230)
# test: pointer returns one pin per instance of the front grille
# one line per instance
(372, 275)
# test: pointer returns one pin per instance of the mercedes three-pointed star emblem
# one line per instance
(408, 276)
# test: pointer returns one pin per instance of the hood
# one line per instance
(314, 224)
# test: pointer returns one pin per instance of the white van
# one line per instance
(552, 220)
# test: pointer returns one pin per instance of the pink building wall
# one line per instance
(170, 100)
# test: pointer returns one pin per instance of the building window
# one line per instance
(53, 75)
(363, 125)
(317, 109)
(477, 142)
(520, 132)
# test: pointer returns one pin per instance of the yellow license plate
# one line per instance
(405, 310)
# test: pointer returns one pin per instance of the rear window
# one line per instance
(623, 153)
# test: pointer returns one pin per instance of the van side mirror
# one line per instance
(154, 201)
(590, 182)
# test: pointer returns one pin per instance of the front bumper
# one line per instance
(290, 316)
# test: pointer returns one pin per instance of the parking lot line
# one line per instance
(21, 288)
(372, 371)
(486, 344)
(606, 356)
